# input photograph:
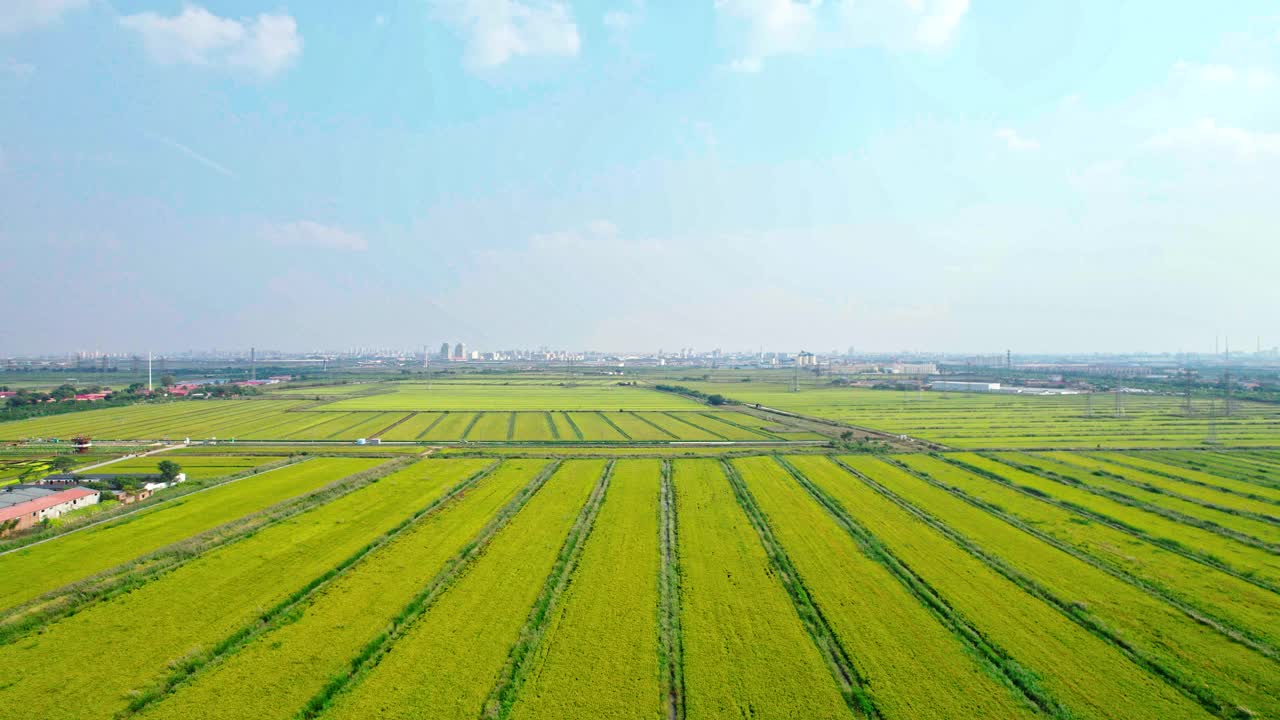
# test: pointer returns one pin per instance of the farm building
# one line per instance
(22, 506)
(961, 386)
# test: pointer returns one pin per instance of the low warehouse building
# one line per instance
(25, 506)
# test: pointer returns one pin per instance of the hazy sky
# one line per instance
(887, 174)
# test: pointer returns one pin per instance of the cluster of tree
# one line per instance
(167, 470)
(711, 399)
(861, 444)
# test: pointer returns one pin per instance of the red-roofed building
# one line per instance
(7, 394)
(92, 396)
(41, 505)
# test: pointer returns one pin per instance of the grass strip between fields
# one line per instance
(428, 428)
(131, 575)
(1227, 628)
(853, 687)
(625, 435)
(1023, 680)
(1145, 465)
(1208, 525)
(280, 612)
(671, 640)
(513, 675)
(1075, 612)
(551, 423)
(372, 653)
(1169, 544)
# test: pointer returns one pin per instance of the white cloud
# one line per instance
(1218, 74)
(306, 233)
(1207, 136)
(19, 15)
(780, 27)
(498, 30)
(18, 70)
(264, 45)
(1014, 141)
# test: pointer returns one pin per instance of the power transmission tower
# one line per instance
(1119, 403)
(1089, 403)
(1212, 437)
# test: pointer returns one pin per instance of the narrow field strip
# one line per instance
(1238, 607)
(1236, 525)
(593, 427)
(153, 629)
(573, 431)
(671, 648)
(1233, 465)
(608, 420)
(551, 425)
(890, 637)
(451, 426)
(1219, 672)
(466, 431)
(411, 427)
(1191, 492)
(599, 653)
(423, 672)
(523, 658)
(1248, 563)
(318, 639)
(679, 428)
(31, 572)
(712, 424)
(1270, 495)
(746, 651)
(663, 433)
(489, 426)
(636, 428)
(749, 432)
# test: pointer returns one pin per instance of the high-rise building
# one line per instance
(459, 352)
(444, 351)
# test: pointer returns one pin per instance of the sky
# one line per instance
(891, 175)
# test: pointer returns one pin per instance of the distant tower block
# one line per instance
(460, 351)
(444, 351)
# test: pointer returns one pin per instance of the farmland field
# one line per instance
(472, 396)
(977, 420)
(567, 557)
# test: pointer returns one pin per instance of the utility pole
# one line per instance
(253, 364)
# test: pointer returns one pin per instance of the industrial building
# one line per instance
(24, 506)
(964, 386)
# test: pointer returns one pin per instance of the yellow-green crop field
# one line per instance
(569, 561)
(997, 421)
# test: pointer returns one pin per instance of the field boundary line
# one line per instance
(711, 415)
(576, 430)
(1072, 611)
(655, 426)
(127, 576)
(998, 661)
(1224, 627)
(551, 423)
(1136, 503)
(280, 614)
(511, 427)
(852, 685)
(670, 632)
(373, 651)
(695, 426)
(392, 425)
(506, 688)
(430, 427)
(625, 435)
(1260, 517)
(1170, 545)
(1201, 483)
(1239, 473)
(475, 418)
